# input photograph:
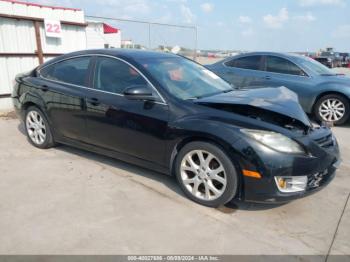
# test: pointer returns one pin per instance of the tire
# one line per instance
(322, 107)
(222, 186)
(38, 129)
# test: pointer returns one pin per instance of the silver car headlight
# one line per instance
(275, 141)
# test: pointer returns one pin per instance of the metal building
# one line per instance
(24, 42)
(102, 35)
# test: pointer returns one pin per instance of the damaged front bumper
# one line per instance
(318, 166)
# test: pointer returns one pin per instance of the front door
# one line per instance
(133, 127)
(282, 72)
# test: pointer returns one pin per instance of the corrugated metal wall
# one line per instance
(15, 36)
(13, 8)
(94, 35)
(73, 38)
(18, 36)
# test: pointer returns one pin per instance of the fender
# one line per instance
(31, 97)
(327, 88)
(196, 128)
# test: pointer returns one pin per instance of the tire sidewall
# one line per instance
(230, 170)
(48, 139)
(344, 119)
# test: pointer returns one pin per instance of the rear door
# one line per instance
(244, 72)
(282, 72)
(63, 87)
(132, 127)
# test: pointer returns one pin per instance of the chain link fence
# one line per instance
(181, 39)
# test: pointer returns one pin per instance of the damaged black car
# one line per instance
(172, 115)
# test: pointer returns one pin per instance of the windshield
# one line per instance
(315, 67)
(184, 78)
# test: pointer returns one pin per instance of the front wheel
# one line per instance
(206, 174)
(332, 108)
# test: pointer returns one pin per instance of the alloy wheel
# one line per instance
(203, 175)
(332, 110)
(36, 128)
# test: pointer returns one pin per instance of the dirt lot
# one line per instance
(68, 201)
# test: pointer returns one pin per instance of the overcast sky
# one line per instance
(283, 25)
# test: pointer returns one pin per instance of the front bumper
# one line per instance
(320, 167)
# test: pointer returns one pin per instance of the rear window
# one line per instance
(248, 62)
(73, 71)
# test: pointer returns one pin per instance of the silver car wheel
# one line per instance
(203, 175)
(36, 128)
(332, 110)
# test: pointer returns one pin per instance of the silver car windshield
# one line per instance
(184, 78)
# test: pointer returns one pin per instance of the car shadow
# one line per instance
(169, 181)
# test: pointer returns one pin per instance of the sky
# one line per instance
(265, 25)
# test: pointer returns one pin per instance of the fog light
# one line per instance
(289, 184)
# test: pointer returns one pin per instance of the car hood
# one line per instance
(278, 100)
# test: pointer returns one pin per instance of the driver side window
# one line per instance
(113, 75)
(280, 65)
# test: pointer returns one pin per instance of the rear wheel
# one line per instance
(205, 174)
(332, 108)
(37, 128)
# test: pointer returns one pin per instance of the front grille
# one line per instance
(316, 180)
(325, 142)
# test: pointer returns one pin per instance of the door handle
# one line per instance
(268, 77)
(93, 101)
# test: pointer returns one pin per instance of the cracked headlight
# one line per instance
(275, 141)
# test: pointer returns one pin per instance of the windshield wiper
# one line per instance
(192, 98)
(208, 95)
(328, 74)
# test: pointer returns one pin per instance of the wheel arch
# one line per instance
(325, 94)
(224, 146)
(33, 99)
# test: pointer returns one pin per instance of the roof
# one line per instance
(280, 54)
(39, 5)
(127, 54)
(271, 53)
(107, 29)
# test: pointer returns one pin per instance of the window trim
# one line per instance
(265, 67)
(162, 102)
(244, 56)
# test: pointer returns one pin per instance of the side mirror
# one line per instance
(139, 92)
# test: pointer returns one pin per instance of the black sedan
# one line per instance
(169, 114)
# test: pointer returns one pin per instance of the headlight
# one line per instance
(275, 141)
